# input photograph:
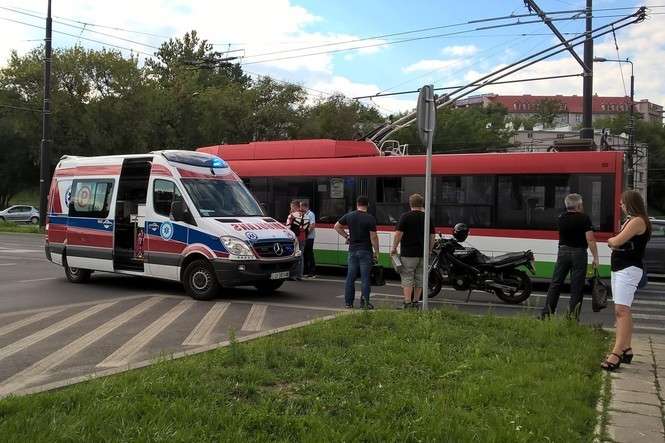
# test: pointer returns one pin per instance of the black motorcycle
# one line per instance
(466, 269)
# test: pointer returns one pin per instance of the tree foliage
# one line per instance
(459, 130)
(547, 110)
(187, 96)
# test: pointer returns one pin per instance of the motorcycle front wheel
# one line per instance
(435, 282)
(518, 279)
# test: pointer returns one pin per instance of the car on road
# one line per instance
(20, 214)
(654, 257)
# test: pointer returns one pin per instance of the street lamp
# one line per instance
(630, 179)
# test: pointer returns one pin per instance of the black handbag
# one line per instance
(376, 275)
(600, 292)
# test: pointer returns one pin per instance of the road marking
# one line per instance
(254, 320)
(38, 279)
(35, 372)
(7, 264)
(27, 321)
(18, 251)
(334, 280)
(648, 316)
(125, 352)
(85, 303)
(202, 333)
(53, 329)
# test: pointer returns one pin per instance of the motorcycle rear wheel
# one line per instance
(434, 282)
(523, 283)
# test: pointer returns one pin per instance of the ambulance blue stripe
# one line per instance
(80, 222)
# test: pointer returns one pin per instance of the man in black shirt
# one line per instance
(362, 238)
(410, 235)
(575, 236)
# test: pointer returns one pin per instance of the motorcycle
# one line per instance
(466, 269)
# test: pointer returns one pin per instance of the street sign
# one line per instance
(426, 114)
(426, 121)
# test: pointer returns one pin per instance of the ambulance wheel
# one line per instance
(76, 275)
(269, 287)
(200, 281)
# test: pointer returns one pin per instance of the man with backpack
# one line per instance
(299, 225)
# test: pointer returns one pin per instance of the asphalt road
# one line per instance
(52, 331)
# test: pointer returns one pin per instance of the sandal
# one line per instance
(625, 357)
(609, 366)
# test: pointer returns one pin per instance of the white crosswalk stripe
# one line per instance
(254, 320)
(19, 345)
(27, 321)
(123, 354)
(38, 369)
(202, 333)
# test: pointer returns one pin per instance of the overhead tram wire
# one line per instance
(451, 34)
(83, 28)
(445, 88)
(413, 31)
(638, 16)
(77, 37)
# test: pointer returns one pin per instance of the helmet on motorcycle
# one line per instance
(460, 232)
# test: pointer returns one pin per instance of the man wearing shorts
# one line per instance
(410, 236)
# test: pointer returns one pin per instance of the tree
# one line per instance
(338, 118)
(547, 110)
(459, 130)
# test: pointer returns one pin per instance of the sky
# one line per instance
(361, 47)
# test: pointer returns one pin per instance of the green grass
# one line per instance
(21, 228)
(381, 376)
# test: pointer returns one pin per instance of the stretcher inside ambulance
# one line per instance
(175, 215)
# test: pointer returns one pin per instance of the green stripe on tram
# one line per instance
(544, 269)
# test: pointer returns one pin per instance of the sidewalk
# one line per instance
(636, 410)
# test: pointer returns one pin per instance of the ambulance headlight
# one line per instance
(238, 249)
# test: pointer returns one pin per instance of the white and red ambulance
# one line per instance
(176, 215)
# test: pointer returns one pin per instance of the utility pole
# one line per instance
(587, 88)
(632, 165)
(44, 165)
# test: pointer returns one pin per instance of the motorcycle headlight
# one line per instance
(238, 249)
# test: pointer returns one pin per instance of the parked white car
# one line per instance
(20, 214)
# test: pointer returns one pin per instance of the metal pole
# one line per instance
(587, 89)
(428, 202)
(631, 135)
(44, 166)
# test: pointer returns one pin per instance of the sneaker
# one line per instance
(348, 306)
(311, 276)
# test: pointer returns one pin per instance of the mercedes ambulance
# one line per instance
(175, 215)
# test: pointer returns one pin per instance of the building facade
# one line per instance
(570, 112)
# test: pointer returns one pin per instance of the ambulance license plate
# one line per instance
(279, 275)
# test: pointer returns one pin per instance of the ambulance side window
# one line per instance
(90, 198)
(163, 195)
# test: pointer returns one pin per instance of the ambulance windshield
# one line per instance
(221, 198)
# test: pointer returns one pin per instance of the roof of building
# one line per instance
(571, 103)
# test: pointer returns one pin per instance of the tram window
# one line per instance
(464, 199)
(258, 186)
(335, 197)
(392, 197)
(536, 201)
(287, 189)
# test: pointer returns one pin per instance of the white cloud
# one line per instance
(431, 65)
(643, 43)
(385, 105)
(460, 51)
(257, 26)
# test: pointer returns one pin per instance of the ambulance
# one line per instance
(175, 215)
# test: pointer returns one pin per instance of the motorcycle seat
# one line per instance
(505, 258)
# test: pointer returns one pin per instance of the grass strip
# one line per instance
(24, 228)
(380, 376)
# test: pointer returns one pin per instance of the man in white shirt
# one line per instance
(308, 253)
